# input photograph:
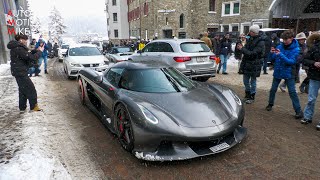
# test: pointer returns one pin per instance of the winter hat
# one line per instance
(254, 28)
(301, 36)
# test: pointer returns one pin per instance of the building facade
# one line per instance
(150, 19)
(117, 20)
(8, 26)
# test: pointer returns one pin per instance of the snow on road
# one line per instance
(22, 154)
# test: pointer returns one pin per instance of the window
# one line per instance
(114, 2)
(151, 47)
(235, 27)
(116, 33)
(212, 5)
(145, 9)
(164, 47)
(164, 80)
(181, 21)
(236, 8)
(115, 17)
(113, 76)
(194, 47)
(231, 8)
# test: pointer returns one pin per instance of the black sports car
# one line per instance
(159, 114)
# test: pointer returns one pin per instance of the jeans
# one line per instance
(27, 91)
(223, 61)
(45, 60)
(292, 92)
(265, 65)
(314, 87)
(250, 83)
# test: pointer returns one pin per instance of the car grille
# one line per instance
(90, 65)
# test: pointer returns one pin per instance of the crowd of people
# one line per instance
(254, 51)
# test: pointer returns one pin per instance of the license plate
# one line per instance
(219, 147)
(201, 59)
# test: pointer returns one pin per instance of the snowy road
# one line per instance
(67, 141)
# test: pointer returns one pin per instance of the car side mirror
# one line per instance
(98, 79)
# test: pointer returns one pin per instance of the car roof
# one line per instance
(272, 29)
(177, 40)
(140, 65)
(82, 45)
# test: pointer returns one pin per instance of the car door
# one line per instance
(109, 88)
(146, 53)
(166, 53)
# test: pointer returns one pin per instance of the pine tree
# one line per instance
(56, 25)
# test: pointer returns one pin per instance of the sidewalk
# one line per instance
(23, 154)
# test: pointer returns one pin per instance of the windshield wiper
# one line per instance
(171, 80)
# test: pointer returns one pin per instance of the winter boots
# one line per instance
(36, 108)
(45, 71)
(249, 98)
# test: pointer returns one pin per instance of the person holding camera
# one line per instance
(44, 57)
(285, 58)
(312, 60)
(20, 63)
(250, 66)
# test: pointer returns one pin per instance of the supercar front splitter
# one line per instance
(188, 150)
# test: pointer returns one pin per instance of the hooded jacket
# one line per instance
(312, 56)
(284, 63)
(21, 59)
(45, 51)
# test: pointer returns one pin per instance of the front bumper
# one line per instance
(170, 151)
(73, 72)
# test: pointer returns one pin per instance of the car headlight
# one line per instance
(236, 98)
(75, 65)
(148, 115)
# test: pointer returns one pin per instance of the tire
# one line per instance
(81, 92)
(124, 128)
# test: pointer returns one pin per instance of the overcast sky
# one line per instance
(79, 16)
(68, 8)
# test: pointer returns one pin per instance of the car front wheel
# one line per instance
(124, 128)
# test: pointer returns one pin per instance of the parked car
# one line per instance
(62, 51)
(190, 56)
(118, 54)
(81, 56)
(159, 114)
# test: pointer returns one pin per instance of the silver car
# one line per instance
(190, 56)
(118, 54)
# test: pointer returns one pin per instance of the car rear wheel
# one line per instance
(81, 92)
(124, 128)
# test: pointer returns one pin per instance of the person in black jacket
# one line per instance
(225, 51)
(312, 60)
(21, 60)
(252, 59)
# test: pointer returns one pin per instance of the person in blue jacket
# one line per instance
(285, 59)
(44, 56)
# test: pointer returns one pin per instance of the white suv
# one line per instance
(190, 56)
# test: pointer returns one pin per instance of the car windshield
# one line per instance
(164, 80)
(84, 51)
(64, 46)
(194, 47)
(123, 50)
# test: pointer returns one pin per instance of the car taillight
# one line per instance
(182, 59)
(213, 58)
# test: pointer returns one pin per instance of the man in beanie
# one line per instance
(251, 62)
(285, 59)
(20, 62)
